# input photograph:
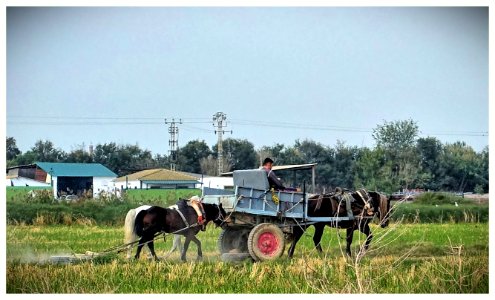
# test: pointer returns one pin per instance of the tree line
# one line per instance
(399, 160)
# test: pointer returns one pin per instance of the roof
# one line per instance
(158, 175)
(285, 167)
(76, 169)
(294, 167)
(22, 166)
(23, 181)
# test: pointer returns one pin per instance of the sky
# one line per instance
(86, 75)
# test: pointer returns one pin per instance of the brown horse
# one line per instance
(158, 219)
(325, 206)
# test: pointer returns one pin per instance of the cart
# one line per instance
(260, 220)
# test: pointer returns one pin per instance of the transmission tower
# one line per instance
(220, 119)
(173, 142)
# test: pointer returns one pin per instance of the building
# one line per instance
(68, 178)
(156, 179)
(214, 182)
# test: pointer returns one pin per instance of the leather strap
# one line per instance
(182, 217)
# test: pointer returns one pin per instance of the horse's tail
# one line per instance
(130, 218)
(138, 223)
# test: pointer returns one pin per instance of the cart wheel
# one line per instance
(233, 240)
(266, 242)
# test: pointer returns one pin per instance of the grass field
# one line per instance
(403, 258)
(20, 192)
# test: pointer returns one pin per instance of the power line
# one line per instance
(298, 126)
(206, 120)
(100, 121)
(79, 123)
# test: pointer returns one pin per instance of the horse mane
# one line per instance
(208, 207)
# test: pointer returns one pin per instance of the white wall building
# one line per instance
(78, 178)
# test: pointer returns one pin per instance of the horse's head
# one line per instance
(381, 204)
(215, 213)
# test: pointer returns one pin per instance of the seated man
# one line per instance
(274, 182)
(195, 202)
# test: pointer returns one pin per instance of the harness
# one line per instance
(182, 216)
(347, 197)
(367, 205)
(218, 218)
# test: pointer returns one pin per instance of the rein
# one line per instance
(120, 248)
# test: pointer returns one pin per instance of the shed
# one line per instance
(156, 179)
(78, 178)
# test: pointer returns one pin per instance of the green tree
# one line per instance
(239, 153)
(274, 152)
(123, 159)
(11, 149)
(398, 140)
(458, 167)
(397, 136)
(429, 150)
(483, 173)
(79, 156)
(190, 155)
(344, 165)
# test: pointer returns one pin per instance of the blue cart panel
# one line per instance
(253, 196)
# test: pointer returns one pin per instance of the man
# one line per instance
(195, 202)
(274, 182)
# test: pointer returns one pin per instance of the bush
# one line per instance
(38, 207)
(88, 212)
(440, 199)
(410, 213)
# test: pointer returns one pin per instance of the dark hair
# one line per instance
(267, 160)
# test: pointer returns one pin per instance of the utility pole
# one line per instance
(173, 142)
(220, 118)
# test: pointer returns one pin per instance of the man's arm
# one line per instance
(273, 180)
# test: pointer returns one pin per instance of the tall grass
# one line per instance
(407, 258)
(42, 209)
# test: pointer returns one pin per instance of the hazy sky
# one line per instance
(96, 75)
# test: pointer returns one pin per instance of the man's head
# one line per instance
(268, 163)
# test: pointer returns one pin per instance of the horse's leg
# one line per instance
(319, 228)
(297, 232)
(129, 252)
(141, 243)
(350, 235)
(198, 243)
(369, 236)
(178, 242)
(186, 245)
(151, 246)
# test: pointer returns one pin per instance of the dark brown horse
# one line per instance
(325, 206)
(158, 219)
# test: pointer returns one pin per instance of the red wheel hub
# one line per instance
(267, 243)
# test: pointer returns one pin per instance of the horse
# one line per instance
(324, 206)
(130, 236)
(158, 219)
